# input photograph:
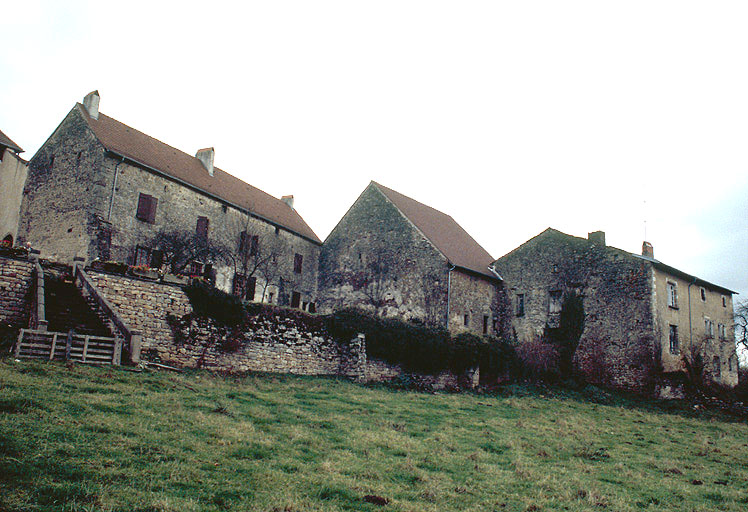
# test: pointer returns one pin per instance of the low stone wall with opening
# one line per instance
(16, 280)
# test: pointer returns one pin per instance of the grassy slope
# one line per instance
(88, 438)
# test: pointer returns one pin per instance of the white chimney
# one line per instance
(206, 158)
(91, 102)
(288, 200)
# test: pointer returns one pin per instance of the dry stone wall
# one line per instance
(266, 343)
(15, 285)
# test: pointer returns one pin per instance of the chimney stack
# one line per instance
(647, 250)
(206, 158)
(597, 238)
(91, 103)
(288, 200)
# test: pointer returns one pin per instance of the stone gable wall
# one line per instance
(16, 281)
(64, 203)
(618, 344)
(374, 234)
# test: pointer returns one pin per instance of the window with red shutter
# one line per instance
(146, 208)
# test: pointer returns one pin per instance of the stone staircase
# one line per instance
(67, 309)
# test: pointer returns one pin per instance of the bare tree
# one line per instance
(741, 325)
(180, 249)
(269, 269)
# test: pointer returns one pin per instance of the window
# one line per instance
(716, 367)
(674, 344)
(466, 320)
(731, 364)
(157, 259)
(485, 324)
(196, 268)
(554, 306)
(251, 288)
(146, 208)
(51, 162)
(520, 304)
(672, 295)
(709, 328)
(202, 227)
(248, 243)
(237, 287)
(312, 307)
(724, 301)
(721, 331)
(703, 294)
(297, 259)
(142, 256)
(295, 299)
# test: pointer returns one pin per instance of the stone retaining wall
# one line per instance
(15, 284)
(143, 305)
(267, 343)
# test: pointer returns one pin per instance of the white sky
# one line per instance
(509, 116)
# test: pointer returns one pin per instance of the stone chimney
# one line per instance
(206, 158)
(647, 250)
(597, 238)
(91, 103)
(288, 200)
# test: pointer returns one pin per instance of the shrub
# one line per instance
(213, 303)
(538, 359)
(419, 348)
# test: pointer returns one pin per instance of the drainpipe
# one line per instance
(449, 291)
(114, 186)
(690, 324)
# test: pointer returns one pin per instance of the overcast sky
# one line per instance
(509, 116)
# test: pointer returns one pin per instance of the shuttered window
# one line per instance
(146, 208)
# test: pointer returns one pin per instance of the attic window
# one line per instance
(724, 301)
(146, 208)
(703, 295)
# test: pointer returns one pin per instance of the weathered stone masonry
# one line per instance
(15, 285)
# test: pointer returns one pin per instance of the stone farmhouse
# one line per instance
(99, 189)
(641, 315)
(13, 171)
(404, 259)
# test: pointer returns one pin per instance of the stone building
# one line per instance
(13, 171)
(401, 258)
(99, 189)
(641, 316)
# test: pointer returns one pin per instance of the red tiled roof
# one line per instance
(5, 141)
(144, 149)
(443, 232)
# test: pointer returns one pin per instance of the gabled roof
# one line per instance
(143, 149)
(443, 232)
(656, 263)
(5, 141)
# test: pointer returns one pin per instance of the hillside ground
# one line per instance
(79, 438)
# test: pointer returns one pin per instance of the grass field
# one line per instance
(84, 438)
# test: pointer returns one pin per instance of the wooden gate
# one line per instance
(35, 344)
